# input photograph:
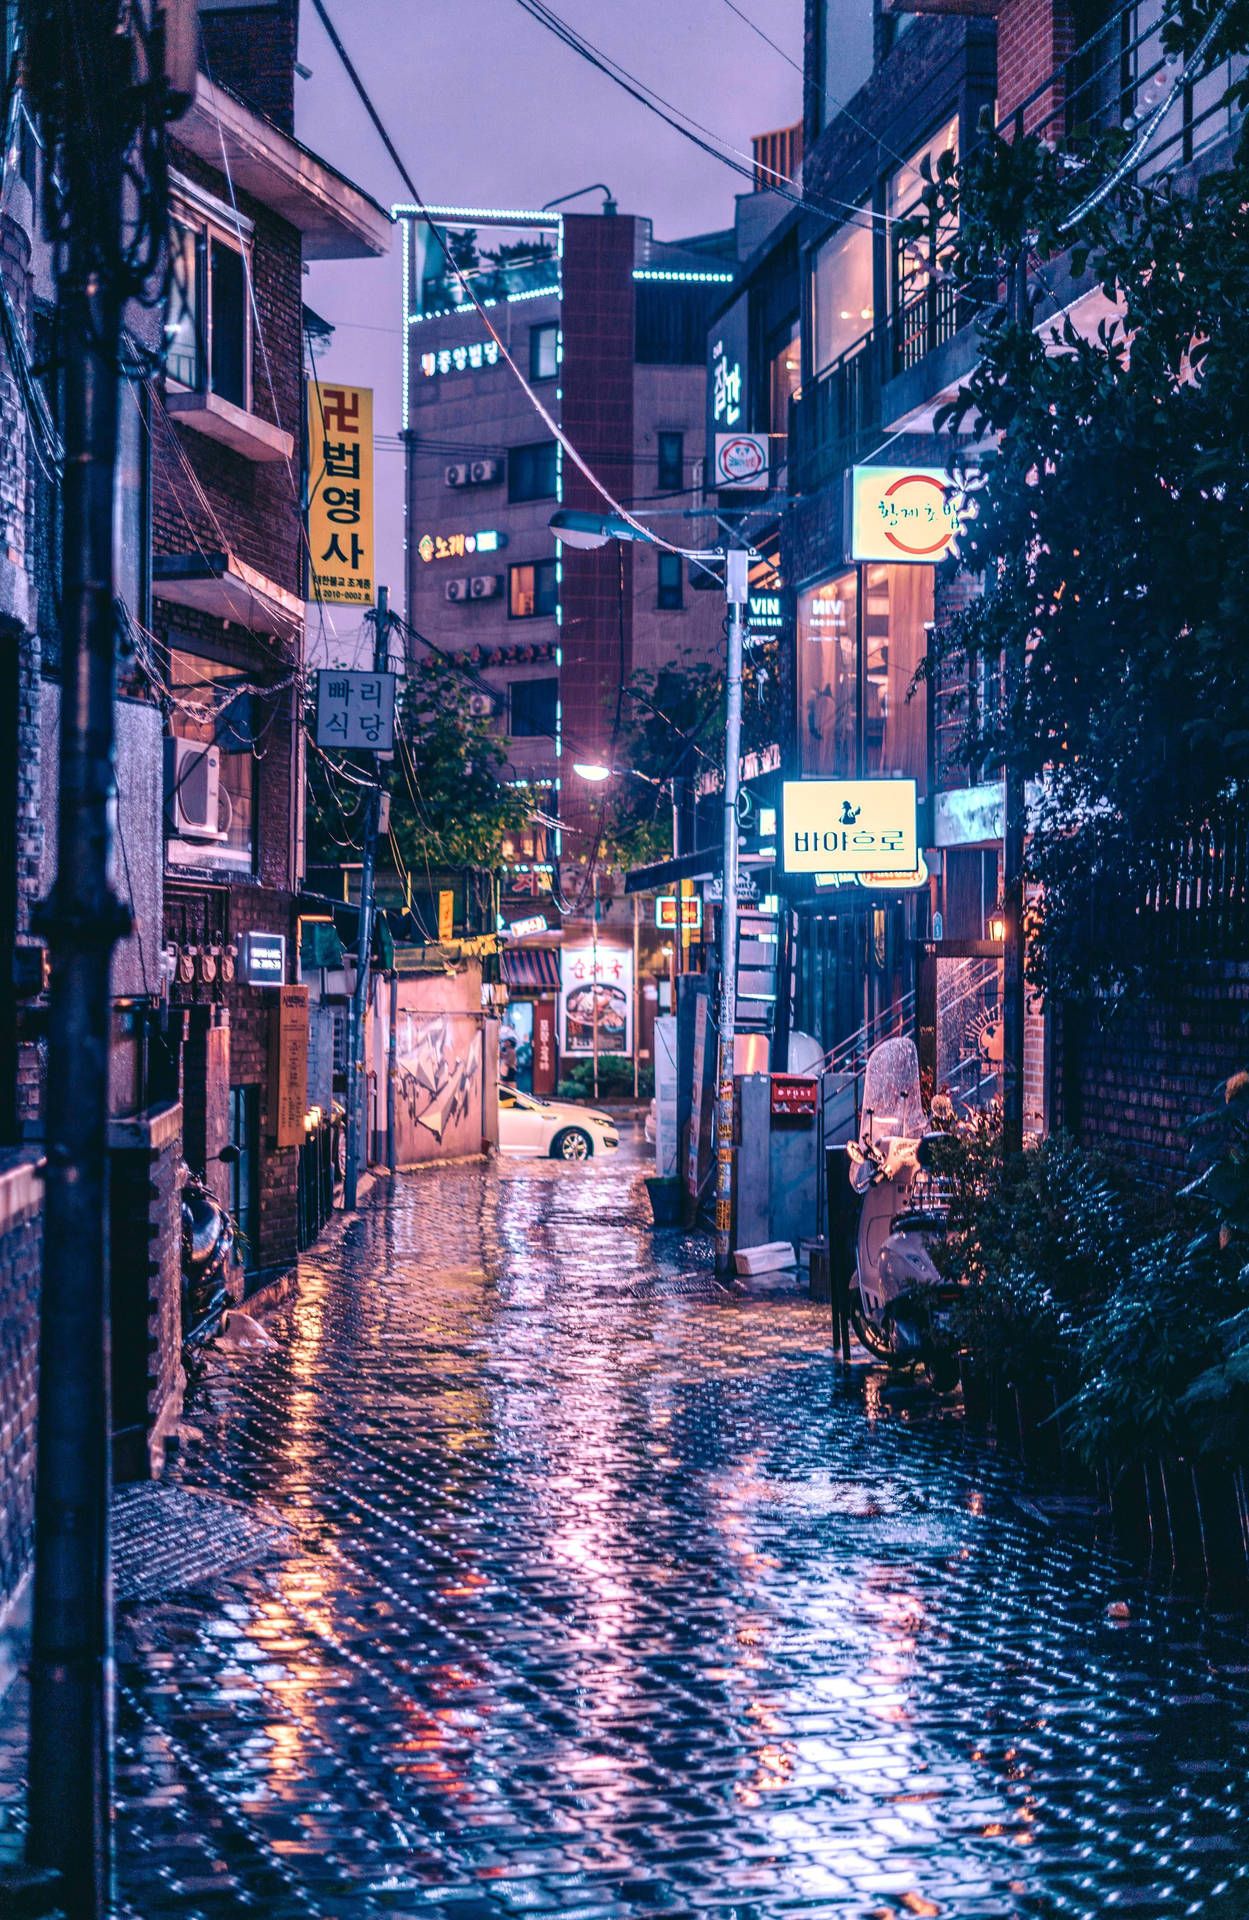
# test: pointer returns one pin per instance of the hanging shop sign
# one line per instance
(521, 929)
(849, 827)
(264, 959)
(741, 461)
(728, 393)
(596, 994)
(356, 710)
(667, 918)
(288, 1076)
(764, 613)
(340, 494)
(458, 546)
(902, 513)
(468, 359)
(446, 915)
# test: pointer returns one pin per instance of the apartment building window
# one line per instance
(531, 589)
(671, 596)
(671, 477)
(532, 707)
(532, 472)
(544, 351)
(209, 334)
(841, 293)
(211, 804)
(912, 258)
(784, 379)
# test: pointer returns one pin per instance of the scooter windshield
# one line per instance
(892, 1107)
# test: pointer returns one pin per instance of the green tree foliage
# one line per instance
(1112, 535)
(451, 806)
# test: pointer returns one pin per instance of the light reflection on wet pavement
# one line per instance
(601, 1594)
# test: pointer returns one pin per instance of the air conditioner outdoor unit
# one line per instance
(456, 589)
(481, 472)
(193, 773)
(457, 475)
(485, 586)
(480, 704)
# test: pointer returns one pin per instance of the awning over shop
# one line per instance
(531, 969)
(704, 864)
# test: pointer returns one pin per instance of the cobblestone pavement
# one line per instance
(580, 1588)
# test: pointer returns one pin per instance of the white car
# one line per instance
(552, 1129)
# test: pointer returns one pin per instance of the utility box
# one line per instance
(778, 1158)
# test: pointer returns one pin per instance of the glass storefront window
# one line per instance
(827, 629)
(842, 292)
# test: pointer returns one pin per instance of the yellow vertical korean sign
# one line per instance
(340, 494)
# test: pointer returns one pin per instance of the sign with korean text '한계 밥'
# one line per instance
(356, 710)
(849, 826)
(340, 494)
(902, 513)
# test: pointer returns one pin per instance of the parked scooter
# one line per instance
(208, 1237)
(899, 1304)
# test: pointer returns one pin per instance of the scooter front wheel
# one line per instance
(869, 1335)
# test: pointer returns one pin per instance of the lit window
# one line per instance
(842, 292)
(531, 589)
(544, 351)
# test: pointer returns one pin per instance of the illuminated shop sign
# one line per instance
(467, 359)
(849, 827)
(456, 546)
(902, 513)
(691, 912)
(765, 613)
(264, 959)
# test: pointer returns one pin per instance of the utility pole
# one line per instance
(637, 1003)
(95, 80)
(594, 977)
(1013, 822)
(356, 1077)
(736, 591)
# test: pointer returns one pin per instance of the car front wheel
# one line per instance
(572, 1144)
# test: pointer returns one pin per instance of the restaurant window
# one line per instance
(532, 705)
(911, 263)
(208, 334)
(533, 472)
(210, 804)
(671, 594)
(671, 476)
(842, 292)
(532, 589)
(544, 351)
(897, 604)
(785, 377)
(827, 641)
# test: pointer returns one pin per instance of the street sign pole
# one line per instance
(736, 590)
(356, 1078)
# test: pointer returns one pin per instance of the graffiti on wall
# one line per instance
(439, 1078)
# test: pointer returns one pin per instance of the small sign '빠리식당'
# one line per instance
(849, 826)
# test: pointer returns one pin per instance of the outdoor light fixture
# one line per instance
(591, 770)
(995, 926)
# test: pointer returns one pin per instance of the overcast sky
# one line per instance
(489, 109)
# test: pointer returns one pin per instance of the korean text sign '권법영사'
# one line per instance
(340, 494)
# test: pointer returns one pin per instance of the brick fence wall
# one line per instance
(21, 1250)
(1134, 1081)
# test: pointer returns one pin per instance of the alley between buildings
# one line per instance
(529, 1573)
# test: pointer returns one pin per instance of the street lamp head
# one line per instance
(591, 770)
(574, 528)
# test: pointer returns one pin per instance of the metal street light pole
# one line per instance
(736, 593)
(356, 1078)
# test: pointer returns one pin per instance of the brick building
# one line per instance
(608, 325)
(250, 205)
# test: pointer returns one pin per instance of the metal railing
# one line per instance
(829, 418)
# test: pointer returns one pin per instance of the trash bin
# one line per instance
(665, 1199)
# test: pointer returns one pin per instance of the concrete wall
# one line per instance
(445, 1079)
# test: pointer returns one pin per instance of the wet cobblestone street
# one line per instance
(580, 1588)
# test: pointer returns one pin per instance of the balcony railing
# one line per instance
(829, 418)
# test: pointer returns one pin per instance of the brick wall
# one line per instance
(251, 50)
(21, 1248)
(1134, 1082)
(1034, 37)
